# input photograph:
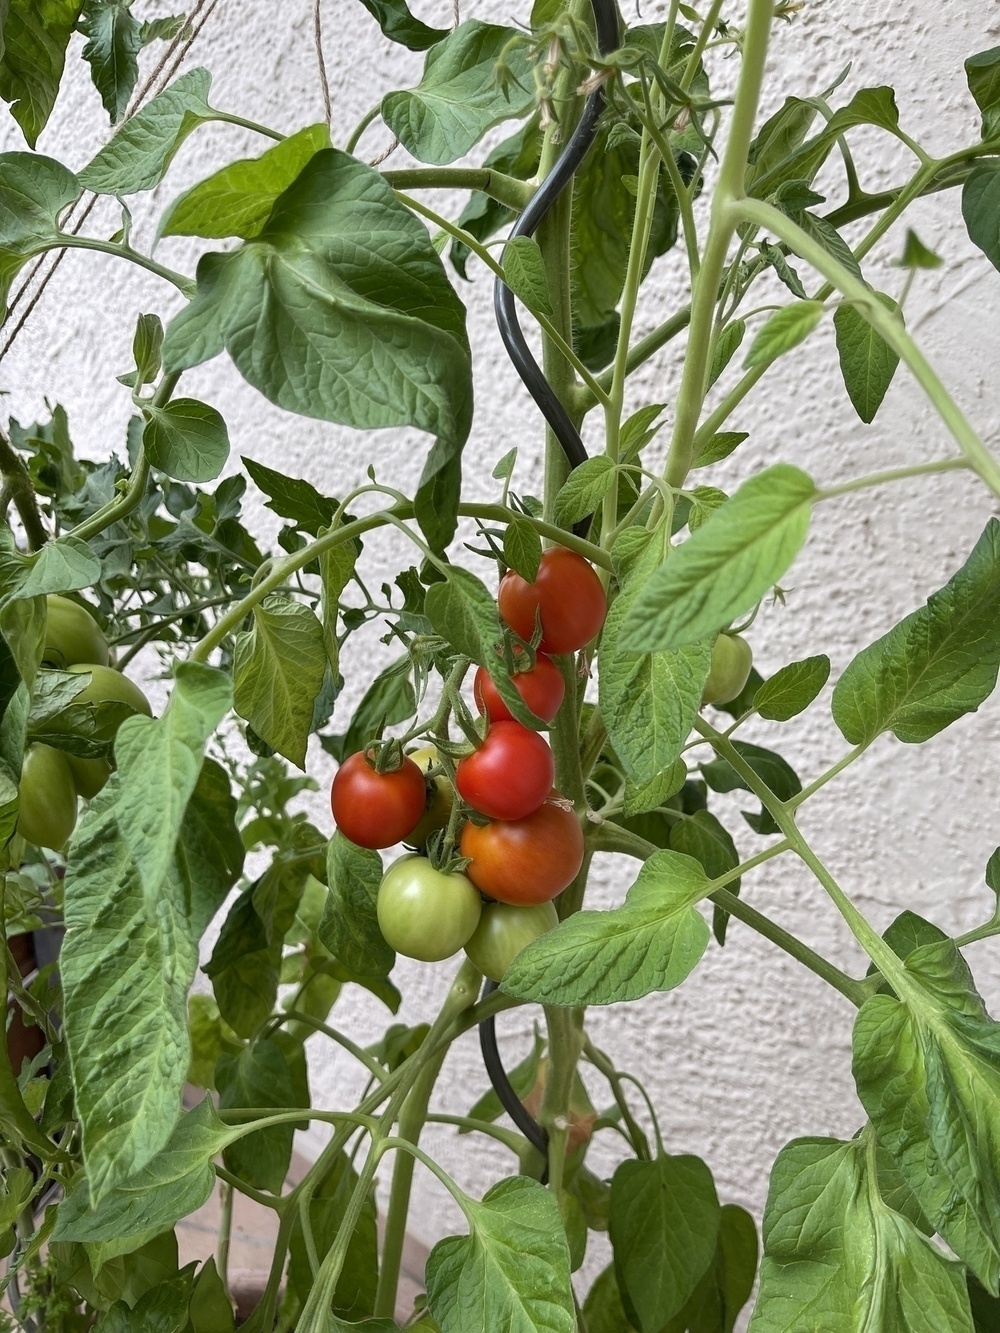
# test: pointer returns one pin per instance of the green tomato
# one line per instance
(502, 933)
(72, 634)
(89, 775)
(47, 814)
(440, 799)
(732, 659)
(424, 913)
(107, 684)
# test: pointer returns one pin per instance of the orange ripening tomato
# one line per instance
(524, 861)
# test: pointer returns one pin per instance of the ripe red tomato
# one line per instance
(509, 775)
(541, 687)
(526, 860)
(377, 809)
(568, 596)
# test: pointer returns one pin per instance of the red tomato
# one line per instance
(568, 596)
(377, 809)
(509, 775)
(541, 687)
(526, 860)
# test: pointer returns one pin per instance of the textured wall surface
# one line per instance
(751, 1051)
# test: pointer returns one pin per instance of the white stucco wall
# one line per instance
(751, 1051)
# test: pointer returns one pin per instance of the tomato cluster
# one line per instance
(51, 779)
(522, 843)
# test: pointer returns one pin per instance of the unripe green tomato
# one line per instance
(107, 684)
(72, 635)
(732, 659)
(89, 775)
(424, 913)
(440, 799)
(47, 815)
(502, 933)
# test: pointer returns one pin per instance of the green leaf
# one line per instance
(210, 1308)
(463, 612)
(522, 549)
(782, 331)
(916, 254)
(524, 273)
(837, 1256)
(664, 1227)
(726, 348)
(583, 490)
(389, 699)
(292, 498)
(867, 362)
(127, 961)
(138, 156)
(349, 928)
(651, 943)
(705, 500)
(237, 200)
(936, 665)
(244, 967)
(63, 565)
(778, 139)
(36, 34)
(648, 700)
(356, 1287)
(34, 190)
(256, 1078)
(725, 1289)
(868, 106)
(160, 760)
(638, 799)
(993, 874)
(399, 25)
(771, 768)
(927, 1068)
(162, 29)
(719, 447)
(459, 96)
(186, 439)
(603, 214)
(727, 566)
(603, 1307)
(303, 311)
(278, 672)
(983, 73)
(146, 344)
(511, 1272)
(114, 39)
(981, 209)
(704, 838)
(176, 1182)
(792, 689)
(523, 1078)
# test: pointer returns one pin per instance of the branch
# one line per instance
(17, 487)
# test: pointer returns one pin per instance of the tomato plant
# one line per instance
(527, 860)
(377, 809)
(566, 598)
(541, 686)
(696, 233)
(426, 913)
(509, 775)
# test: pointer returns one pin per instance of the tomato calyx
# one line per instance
(443, 854)
(384, 756)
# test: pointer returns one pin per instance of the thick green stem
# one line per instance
(460, 998)
(68, 241)
(730, 184)
(613, 838)
(18, 487)
(282, 569)
(884, 322)
(565, 1028)
(506, 190)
